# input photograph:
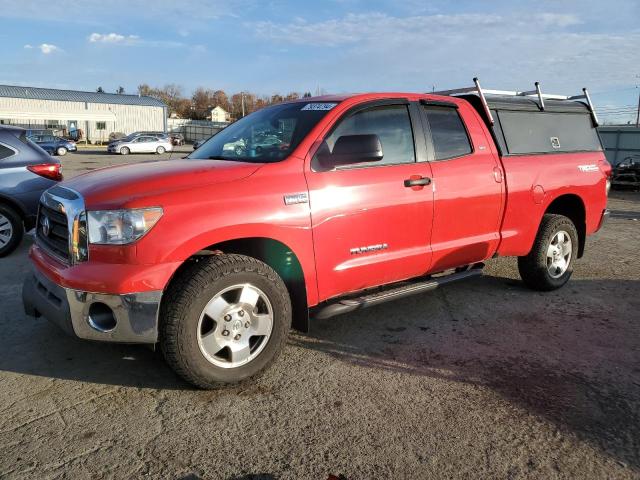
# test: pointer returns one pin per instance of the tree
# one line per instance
(99, 90)
(145, 90)
(120, 90)
(276, 98)
(220, 99)
(306, 95)
(203, 100)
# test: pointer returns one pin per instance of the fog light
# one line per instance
(101, 317)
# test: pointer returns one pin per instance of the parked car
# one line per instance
(54, 145)
(134, 135)
(26, 171)
(114, 136)
(198, 143)
(237, 146)
(266, 141)
(214, 257)
(626, 174)
(177, 139)
(142, 144)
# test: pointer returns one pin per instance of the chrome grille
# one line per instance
(58, 215)
(53, 232)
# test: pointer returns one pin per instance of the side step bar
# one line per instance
(393, 293)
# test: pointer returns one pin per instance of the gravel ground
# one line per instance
(483, 379)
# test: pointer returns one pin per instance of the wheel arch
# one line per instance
(15, 205)
(278, 256)
(572, 206)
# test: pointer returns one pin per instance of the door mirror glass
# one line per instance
(351, 149)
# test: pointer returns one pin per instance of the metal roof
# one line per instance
(13, 91)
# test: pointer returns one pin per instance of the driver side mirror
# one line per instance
(350, 149)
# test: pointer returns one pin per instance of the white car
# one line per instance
(142, 144)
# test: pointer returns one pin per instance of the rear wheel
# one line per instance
(61, 151)
(125, 151)
(160, 150)
(224, 319)
(11, 230)
(549, 265)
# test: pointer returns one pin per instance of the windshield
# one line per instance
(268, 135)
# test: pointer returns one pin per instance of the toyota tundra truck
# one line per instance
(363, 199)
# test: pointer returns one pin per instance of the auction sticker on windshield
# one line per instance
(319, 106)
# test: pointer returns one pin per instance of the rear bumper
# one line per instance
(127, 318)
(603, 218)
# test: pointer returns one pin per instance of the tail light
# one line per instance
(605, 168)
(52, 171)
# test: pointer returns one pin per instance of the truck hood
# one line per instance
(114, 187)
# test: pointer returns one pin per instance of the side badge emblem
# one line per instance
(295, 198)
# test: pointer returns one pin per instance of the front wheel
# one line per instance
(61, 151)
(224, 319)
(125, 151)
(549, 264)
(160, 150)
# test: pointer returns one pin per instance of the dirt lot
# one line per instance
(483, 379)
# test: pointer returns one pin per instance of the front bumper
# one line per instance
(127, 318)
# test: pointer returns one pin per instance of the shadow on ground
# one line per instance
(576, 365)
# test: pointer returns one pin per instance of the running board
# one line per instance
(393, 293)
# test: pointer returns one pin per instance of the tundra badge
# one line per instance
(294, 198)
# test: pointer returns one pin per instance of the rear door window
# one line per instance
(5, 152)
(448, 133)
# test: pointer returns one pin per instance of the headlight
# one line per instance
(119, 227)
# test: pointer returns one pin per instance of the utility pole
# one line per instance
(242, 102)
(638, 114)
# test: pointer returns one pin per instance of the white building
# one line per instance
(219, 114)
(96, 115)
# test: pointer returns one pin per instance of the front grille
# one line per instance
(55, 238)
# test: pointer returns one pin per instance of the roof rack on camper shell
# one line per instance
(476, 89)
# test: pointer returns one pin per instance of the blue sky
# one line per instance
(335, 45)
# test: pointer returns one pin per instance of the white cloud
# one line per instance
(377, 51)
(113, 38)
(45, 48)
(557, 19)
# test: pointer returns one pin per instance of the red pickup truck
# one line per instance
(362, 199)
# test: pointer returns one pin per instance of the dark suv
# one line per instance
(54, 145)
(26, 171)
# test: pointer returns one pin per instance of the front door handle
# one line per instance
(417, 181)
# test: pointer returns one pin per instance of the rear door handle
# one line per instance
(417, 182)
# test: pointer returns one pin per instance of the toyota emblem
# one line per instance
(46, 226)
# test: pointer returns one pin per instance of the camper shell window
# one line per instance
(522, 128)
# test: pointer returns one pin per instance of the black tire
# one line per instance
(125, 151)
(533, 267)
(160, 150)
(61, 151)
(10, 242)
(187, 297)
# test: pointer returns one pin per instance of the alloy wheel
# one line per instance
(559, 254)
(235, 326)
